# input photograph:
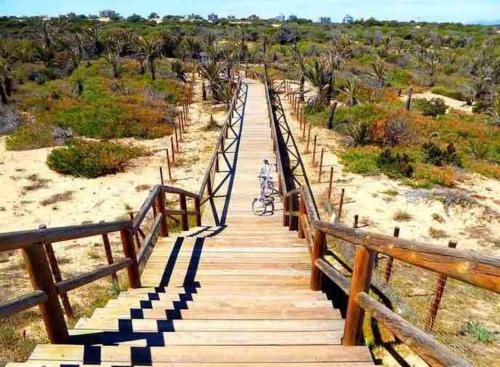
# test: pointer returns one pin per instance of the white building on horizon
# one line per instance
(108, 13)
(348, 19)
(213, 17)
(324, 20)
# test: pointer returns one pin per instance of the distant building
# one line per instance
(213, 17)
(293, 18)
(280, 18)
(325, 20)
(231, 17)
(107, 13)
(348, 19)
(253, 17)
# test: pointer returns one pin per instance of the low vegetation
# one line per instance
(91, 159)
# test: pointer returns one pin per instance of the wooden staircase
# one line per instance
(231, 295)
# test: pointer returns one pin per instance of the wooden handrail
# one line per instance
(179, 191)
(21, 239)
(83, 279)
(220, 139)
(22, 303)
(146, 206)
(467, 266)
(422, 343)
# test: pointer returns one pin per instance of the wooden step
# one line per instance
(196, 338)
(211, 354)
(252, 312)
(112, 324)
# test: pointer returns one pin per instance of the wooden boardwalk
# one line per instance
(236, 295)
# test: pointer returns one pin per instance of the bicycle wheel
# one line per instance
(269, 205)
(259, 207)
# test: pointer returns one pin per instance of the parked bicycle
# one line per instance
(264, 204)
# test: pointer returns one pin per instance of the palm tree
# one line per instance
(298, 70)
(45, 54)
(150, 49)
(178, 69)
(211, 72)
(319, 73)
(97, 39)
(43, 31)
(352, 90)
(193, 46)
(379, 73)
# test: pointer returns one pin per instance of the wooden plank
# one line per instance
(467, 266)
(426, 346)
(212, 354)
(81, 280)
(14, 240)
(22, 303)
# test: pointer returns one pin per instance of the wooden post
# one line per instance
(341, 204)
(162, 209)
(304, 132)
(321, 164)
(134, 277)
(330, 186)
(56, 272)
(436, 298)
(197, 207)
(308, 139)
(37, 265)
(176, 140)
(109, 255)
(408, 101)
(302, 212)
(294, 207)
(390, 260)
(314, 149)
(185, 218)
(161, 176)
(173, 149)
(317, 253)
(136, 234)
(361, 277)
(286, 208)
(168, 166)
(356, 220)
(181, 127)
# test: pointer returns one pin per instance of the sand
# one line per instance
(450, 102)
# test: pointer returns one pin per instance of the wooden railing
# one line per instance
(40, 261)
(466, 266)
(292, 175)
(207, 189)
(138, 237)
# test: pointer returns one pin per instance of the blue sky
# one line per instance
(431, 10)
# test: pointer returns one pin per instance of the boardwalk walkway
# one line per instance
(233, 295)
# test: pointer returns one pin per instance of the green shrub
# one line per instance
(361, 160)
(432, 107)
(455, 94)
(395, 165)
(478, 331)
(357, 133)
(33, 135)
(439, 157)
(90, 158)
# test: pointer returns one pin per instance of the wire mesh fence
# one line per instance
(463, 317)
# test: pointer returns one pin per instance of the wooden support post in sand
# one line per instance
(308, 139)
(38, 268)
(109, 256)
(314, 149)
(173, 149)
(390, 260)
(168, 166)
(161, 176)
(341, 204)
(321, 164)
(361, 279)
(436, 299)
(56, 272)
(330, 186)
